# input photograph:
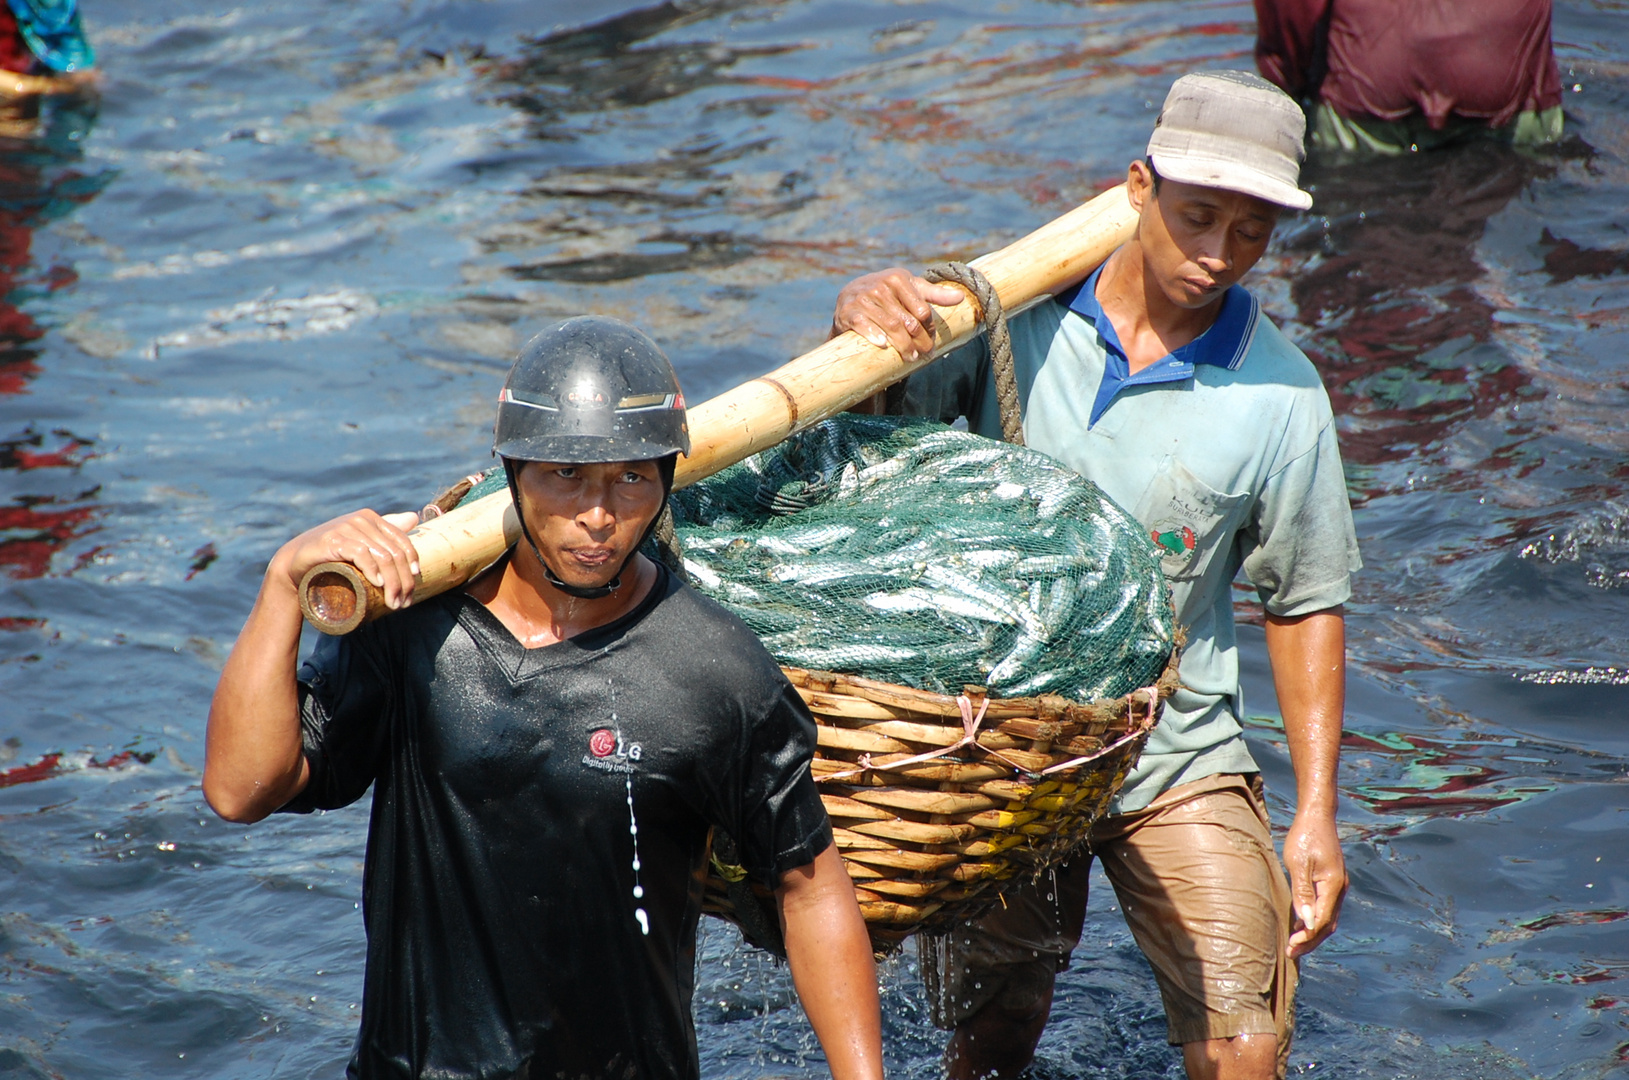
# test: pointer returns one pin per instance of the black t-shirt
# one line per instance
(536, 852)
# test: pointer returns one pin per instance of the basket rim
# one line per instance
(1045, 706)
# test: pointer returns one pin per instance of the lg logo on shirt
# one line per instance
(608, 753)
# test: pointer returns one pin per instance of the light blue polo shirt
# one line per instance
(1224, 450)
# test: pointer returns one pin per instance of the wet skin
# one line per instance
(1161, 290)
(587, 522)
(1193, 244)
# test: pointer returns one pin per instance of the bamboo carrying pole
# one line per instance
(754, 416)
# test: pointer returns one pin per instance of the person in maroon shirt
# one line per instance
(1388, 77)
(14, 52)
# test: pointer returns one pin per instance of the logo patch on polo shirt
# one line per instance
(1175, 540)
(602, 742)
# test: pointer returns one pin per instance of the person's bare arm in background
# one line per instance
(1308, 655)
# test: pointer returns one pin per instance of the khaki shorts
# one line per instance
(1203, 893)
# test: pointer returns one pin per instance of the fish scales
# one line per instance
(916, 554)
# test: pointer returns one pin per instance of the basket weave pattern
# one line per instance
(930, 844)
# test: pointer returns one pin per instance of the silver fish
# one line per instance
(702, 575)
(777, 545)
(1126, 598)
(917, 599)
(1014, 663)
(954, 581)
(842, 657)
(989, 558)
(1048, 566)
(818, 536)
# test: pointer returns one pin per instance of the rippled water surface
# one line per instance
(280, 276)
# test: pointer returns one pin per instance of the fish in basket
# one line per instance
(1004, 638)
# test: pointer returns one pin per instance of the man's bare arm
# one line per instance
(830, 955)
(1308, 654)
(253, 759)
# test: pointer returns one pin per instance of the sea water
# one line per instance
(280, 276)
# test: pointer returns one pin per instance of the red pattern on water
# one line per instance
(50, 765)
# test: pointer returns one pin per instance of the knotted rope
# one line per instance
(667, 543)
(994, 321)
(970, 730)
(1134, 728)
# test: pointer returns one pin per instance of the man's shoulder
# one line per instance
(1274, 355)
(429, 619)
(1273, 366)
(708, 642)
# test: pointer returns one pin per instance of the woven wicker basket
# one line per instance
(931, 843)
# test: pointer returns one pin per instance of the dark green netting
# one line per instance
(491, 481)
(916, 554)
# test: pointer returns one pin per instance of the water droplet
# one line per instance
(639, 892)
(644, 921)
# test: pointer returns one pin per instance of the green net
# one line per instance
(490, 481)
(912, 553)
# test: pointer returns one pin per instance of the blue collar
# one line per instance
(1224, 345)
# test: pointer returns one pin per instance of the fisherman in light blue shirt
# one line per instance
(1160, 379)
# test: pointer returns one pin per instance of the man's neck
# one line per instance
(538, 614)
(1148, 324)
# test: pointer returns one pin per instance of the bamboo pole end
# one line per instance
(336, 599)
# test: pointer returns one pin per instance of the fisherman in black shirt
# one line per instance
(548, 748)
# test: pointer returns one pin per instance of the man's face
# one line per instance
(587, 519)
(1198, 241)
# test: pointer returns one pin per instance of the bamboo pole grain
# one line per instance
(336, 599)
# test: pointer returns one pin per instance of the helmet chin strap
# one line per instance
(590, 592)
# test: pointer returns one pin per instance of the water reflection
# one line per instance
(329, 230)
(1389, 289)
(40, 182)
(603, 65)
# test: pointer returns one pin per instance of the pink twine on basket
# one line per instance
(970, 730)
(1136, 729)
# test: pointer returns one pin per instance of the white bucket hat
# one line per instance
(1232, 130)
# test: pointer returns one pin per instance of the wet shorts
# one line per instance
(1203, 893)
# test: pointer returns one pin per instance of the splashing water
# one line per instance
(638, 889)
(632, 755)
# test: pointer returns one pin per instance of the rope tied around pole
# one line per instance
(993, 320)
(668, 547)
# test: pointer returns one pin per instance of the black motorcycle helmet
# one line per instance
(586, 391)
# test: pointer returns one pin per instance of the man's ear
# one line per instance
(1139, 185)
(1140, 193)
